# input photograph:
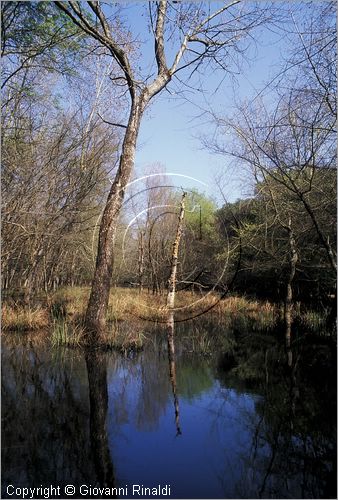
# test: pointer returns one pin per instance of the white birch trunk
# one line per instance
(174, 259)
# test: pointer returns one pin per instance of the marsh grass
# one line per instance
(69, 302)
(15, 317)
(231, 311)
(63, 313)
(130, 304)
(124, 337)
(67, 307)
(67, 333)
(201, 343)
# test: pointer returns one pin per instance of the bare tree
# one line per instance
(291, 275)
(291, 150)
(203, 36)
(54, 174)
(292, 141)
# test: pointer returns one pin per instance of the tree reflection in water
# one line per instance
(293, 450)
(44, 416)
(98, 396)
(254, 426)
(47, 405)
(172, 369)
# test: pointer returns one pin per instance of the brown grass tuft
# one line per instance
(19, 318)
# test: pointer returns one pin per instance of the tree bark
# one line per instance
(98, 302)
(174, 259)
(141, 260)
(288, 295)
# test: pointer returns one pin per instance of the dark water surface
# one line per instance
(239, 425)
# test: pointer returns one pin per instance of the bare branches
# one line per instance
(200, 35)
(78, 17)
(310, 60)
(288, 158)
(28, 40)
(54, 178)
(95, 6)
(289, 142)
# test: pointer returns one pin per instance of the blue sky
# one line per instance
(170, 129)
(169, 132)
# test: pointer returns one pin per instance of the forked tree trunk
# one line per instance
(99, 297)
(174, 259)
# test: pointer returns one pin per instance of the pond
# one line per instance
(184, 425)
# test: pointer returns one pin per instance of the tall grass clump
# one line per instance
(65, 333)
(21, 318)
(125, 337)
(243, 313)
(131, 304)
(69, 302)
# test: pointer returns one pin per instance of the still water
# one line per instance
(195, 426)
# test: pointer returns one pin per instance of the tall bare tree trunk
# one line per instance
(99, 297)
(288, 295)
(141, 92)
(98, 302)
(174, 259)
(141, 260)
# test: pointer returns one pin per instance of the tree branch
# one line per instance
(105, 38)
(159, 42)
(112, 123)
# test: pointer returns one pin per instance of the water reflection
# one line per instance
(44, 417)
(172, 369)
(98, 397)
(293, 446)
(253, 426)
